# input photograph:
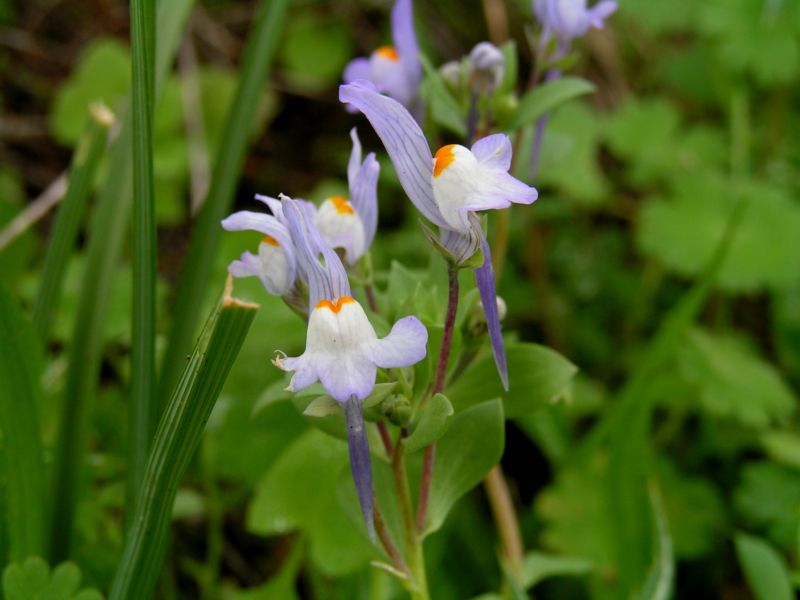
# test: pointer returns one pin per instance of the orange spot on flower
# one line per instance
(336, 305)
(444, 156)
(268, 239)
(388, 52)
(342, 205)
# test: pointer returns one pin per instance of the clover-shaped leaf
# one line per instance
(33, 580)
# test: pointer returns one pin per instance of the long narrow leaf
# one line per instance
(229, 158)
(107, 233)
(20, 368)
(178, 436)
(143, 407)
(85, 161)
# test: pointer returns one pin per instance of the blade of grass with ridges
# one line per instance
(261, 46)
(70, 216)
(178, 436)
(143, 412)
(20, 370)
(107, 232)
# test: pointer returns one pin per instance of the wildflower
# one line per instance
(566, 20)
(394, 70)
(342, 350)
(349, 224)
(448, 188)
(275, 265)
(487, 66)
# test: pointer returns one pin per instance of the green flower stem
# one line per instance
(418, 585)
(505, 515)
(85, 161)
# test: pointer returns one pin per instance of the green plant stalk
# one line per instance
(178, 436)
(417, 586)
(107, 232)
(22, 460)
(143, 408)
(85, 161)
(230, 154)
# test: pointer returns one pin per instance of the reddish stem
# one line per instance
(385, 438)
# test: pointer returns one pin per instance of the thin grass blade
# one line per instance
(178, 436)
(20, 369)
(71, 213)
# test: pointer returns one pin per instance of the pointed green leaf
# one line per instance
(764, 568)
(431, 423)
(545, 98)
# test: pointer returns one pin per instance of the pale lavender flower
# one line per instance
(348, 224)
(449, 188)
(566, 20)
(394, 70)
(342, 350)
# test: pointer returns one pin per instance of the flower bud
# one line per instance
(487, 67)
(451, 74)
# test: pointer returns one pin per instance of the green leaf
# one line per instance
(682, 232)
(511, 71)
(445, 109)
(537, 375)
(545, 98)
(102, 74)
(783, 447)
(768, 496)
(176, 440)
(538, 566)
(23, 462)
(32, 580)
(764, 568)
(472, 445)
(16, 254)
(733, 381)
(660, 579)
(431, 423)
(315, 50)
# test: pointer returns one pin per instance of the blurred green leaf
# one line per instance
(684, 231)
(14, 257)
(315, 50)
(472, 445)
(544, 98)
(660, 579)
(768, 496)
(733, 381)
(661, 17)
(431, 423)
(783, 447)
(537, 375)
(764, 568)
(32, 580)
(102, 73)
(445, 109)
(539, 566)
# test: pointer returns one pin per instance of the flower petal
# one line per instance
(318, 263)
(461, 245)
(405, 40)
(364, 196)
(404, 141)
(404, 346)
(600, 12)
(248, 220)
(358, 68)
(360, 464)
(493, 151)
(354, 164)
(498, 189)
(484, 278)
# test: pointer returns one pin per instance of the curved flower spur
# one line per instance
(342, 350)
(394, 70)
(448, 188)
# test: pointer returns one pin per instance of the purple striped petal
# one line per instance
(358, 68)
(404, 346)
(405, 42)
(360, 464)
(404, 141)
(354, 163)
(318, 263)
(484, 278)
(364, 197)
(461, 246)
(494, 151)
